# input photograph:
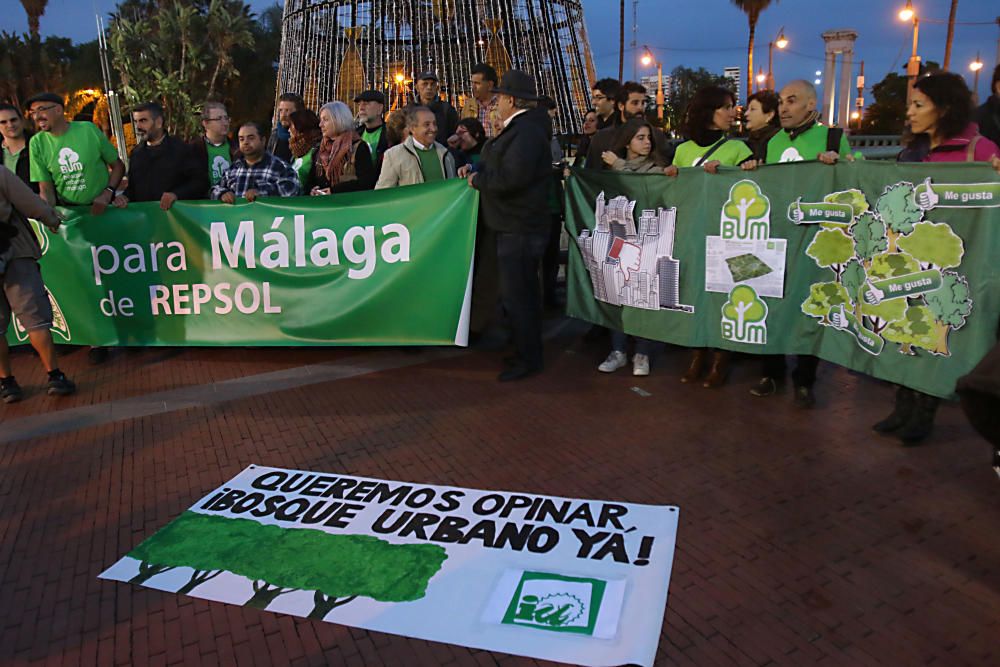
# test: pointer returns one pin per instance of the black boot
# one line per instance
(921, 421)
(905, 399)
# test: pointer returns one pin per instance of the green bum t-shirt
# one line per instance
(218, 161)
(75, 161)
(729, 154)
(303, 166)
(806, 146)
(430, 165)
(372, 138)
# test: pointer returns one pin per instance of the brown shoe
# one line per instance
(697, 363)
(719, 371)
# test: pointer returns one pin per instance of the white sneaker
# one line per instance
(640, 365)
(614, 361)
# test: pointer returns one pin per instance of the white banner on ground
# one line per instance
(577, 581)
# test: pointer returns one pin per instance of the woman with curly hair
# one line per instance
(940, 129)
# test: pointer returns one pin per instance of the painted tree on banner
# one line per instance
(276, 560)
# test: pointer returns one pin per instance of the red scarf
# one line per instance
(333, 154)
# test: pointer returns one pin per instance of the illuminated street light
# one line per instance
(647, 60)
(781, 42)
(975, 66)
(907, 13)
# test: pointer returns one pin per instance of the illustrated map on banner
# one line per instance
(576, 581)
(887, 269)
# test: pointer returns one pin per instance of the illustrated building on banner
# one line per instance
(630, 266)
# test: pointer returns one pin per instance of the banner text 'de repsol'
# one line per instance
(372, 268)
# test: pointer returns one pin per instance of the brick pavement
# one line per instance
(804, 539)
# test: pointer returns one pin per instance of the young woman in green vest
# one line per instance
(707, 122)
(303, 142)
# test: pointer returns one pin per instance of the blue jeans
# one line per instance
(619, 343)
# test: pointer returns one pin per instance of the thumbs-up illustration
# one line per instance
(873, 295)
(928, 198)
(838, 318)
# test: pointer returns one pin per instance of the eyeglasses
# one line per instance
(598, 98)
(216, 118)
(35, 112)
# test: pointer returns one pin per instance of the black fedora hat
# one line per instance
(518, 84)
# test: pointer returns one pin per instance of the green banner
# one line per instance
(887, 269)
(391, 267)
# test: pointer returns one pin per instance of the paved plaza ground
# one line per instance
(804, 538)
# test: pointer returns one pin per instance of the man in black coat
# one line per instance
(161, 168)
(513, 177)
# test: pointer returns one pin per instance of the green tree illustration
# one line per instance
(869, 237)
(887, 265)
(823, 297)
(914, 329)
(934, 245)
(892, 265)
(746, 202)
(744, 306)
(898, 211)
(338, 568)
(831, 248)
(853, 278)
(950, 304)
(189, 541)
(856, 198)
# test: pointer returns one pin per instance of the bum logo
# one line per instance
(220, 166)
(69, 161)
(556, 603)
(744, 316)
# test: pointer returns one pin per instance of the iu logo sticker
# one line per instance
(556, 603)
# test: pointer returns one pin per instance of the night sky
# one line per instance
(708, 33)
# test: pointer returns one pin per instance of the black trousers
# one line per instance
(804, 374)
(518, 258)
(550, 261)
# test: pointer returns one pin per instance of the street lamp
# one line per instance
(781, 42)
(760, 79)
(907, 13)
(975, 66)
(647, 60)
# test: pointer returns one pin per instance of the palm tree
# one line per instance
(229, 24)
(753, 10)
(34, 9)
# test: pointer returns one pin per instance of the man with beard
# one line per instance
(257, 173)
(162, 167)
(371, 107)
(630, 103)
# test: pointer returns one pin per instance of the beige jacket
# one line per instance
(401, 165)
